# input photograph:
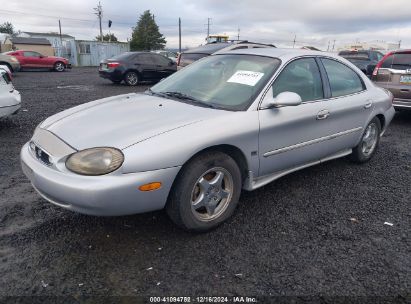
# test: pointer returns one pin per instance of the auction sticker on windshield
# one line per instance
(249, 78)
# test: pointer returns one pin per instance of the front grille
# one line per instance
(40, 154)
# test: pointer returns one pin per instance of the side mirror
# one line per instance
(287, 99)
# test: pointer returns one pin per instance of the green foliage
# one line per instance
(7, 28)
(108, 37)
(146, 35)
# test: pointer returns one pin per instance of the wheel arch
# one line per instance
(140, 75)
(381, 118)
(234, 152)
(8, 65)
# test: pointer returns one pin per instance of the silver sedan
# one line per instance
(231, 121)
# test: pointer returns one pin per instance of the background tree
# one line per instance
(107, 37)
(7, 28)
(146, 35)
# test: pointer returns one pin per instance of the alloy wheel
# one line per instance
(369, 140)
(212, 194)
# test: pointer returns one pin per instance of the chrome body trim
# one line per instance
(311, 142)
(252, 183)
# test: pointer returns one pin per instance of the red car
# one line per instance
(34, 60)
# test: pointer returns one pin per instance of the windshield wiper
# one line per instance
(183, 96)
(180, 95)
(151, 92)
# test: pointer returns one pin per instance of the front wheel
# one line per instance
(131, 78)
(59, 66)
(205, 193)
(367, 147)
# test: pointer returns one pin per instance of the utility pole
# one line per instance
(238, 35)
(61, 39)
(333, 45)
(208, 27)
(328, 47)
(179, 35)
(295, 37)
(99, 13)
(399, 44)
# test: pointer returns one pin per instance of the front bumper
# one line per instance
(107, 195)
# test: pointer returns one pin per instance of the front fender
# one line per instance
(174, 148)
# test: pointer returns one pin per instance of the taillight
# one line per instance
(112, 65)
(379, 64)
(178, 59)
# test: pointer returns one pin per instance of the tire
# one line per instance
(205, 193)
(131, 78)
(368, 145)
(59, 66)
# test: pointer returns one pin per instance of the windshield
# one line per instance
(228, 81)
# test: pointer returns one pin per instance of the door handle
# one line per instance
(323, 114)
(368, 104)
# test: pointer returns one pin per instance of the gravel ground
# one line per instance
(317, 232)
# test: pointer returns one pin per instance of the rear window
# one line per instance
(188, 58)
(355, 55)
(398, 61)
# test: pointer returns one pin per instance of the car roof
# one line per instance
(209, 48)
(280, 53)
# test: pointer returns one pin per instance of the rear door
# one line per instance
(146, 65)
(395, 75)
(164, 66)
(349, 105)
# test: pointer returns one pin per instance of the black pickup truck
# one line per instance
(364, 60)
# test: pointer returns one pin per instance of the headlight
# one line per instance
(14, 59)
(95, 161)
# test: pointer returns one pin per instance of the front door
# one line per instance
(34, 59)
(329, 121)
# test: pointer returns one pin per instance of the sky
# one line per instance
(316, 22)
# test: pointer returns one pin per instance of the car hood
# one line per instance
(123, 120)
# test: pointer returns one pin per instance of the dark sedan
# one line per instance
(365, 60)
(134, 67)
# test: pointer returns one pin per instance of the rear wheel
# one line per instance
(205, 193)
(131, 78)
(368, 145)
(59, 66)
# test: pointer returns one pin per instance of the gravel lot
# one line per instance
(294, 237)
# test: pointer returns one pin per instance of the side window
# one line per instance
(145, 59)
(302, 76)
(161, 60)
(31, 54)
(379, 56)
(343, 80)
